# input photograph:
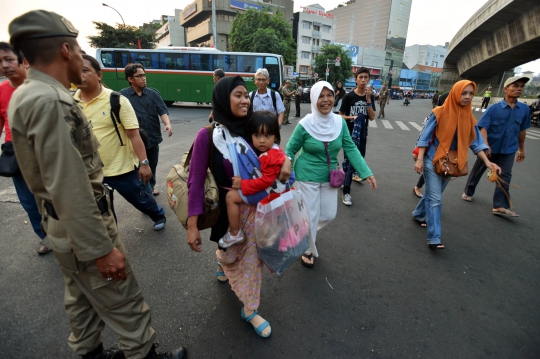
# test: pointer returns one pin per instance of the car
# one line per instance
(305, 95)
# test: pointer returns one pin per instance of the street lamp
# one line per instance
(116, 11)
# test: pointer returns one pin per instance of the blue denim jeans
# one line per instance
(430, 206)
(350, 171)
(28, 201)
(131, 188)
(153, 157)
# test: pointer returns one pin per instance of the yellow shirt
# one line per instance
(116, 159)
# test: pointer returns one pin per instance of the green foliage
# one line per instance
(122, 36)
(337, 73)
(261, 31)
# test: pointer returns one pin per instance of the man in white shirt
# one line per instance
(265, 99)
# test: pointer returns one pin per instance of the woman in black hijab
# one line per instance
(239, 264)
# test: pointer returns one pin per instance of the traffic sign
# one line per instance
(327, 70)
(338, 59)
(391, 72)
(315, 75)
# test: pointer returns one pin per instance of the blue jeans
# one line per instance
(28, 201)
(153, 157)
(349, 174)
(132, 189)
(430, 206)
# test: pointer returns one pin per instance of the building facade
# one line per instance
(196, 18)
(379, 29)
(427, 55)
(171, 33)
(313, 28)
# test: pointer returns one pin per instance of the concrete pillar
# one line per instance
(449, 77)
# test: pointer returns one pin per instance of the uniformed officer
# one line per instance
(58, 157)
(384, 99)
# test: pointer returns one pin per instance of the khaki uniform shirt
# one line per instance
(58, 156)
(383, 95)
(285, 90)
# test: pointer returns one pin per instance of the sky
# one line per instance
(432, 22)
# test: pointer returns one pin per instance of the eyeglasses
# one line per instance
(140, 76)
(260, 80)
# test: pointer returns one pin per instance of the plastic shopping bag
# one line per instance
(282, 229)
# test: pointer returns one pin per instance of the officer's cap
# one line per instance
(40, 24)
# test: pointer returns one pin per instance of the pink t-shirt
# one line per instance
(6, 90)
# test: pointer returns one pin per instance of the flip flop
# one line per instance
(417, 194)
(466, 198)
(437, 246)
(155, 192)
(221, 274)
(422, 224)
(505, 213)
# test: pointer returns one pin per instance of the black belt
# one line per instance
(101, 203)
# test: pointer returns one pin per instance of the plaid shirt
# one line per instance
(149, 107)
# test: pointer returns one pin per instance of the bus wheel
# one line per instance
(169, 103)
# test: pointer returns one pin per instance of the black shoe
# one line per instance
(100, 353)
(43, 250)
(159, 225)
(179, 353)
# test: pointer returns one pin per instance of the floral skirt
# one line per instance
(241, 262)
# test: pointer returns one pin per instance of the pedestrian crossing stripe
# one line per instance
(532, 134)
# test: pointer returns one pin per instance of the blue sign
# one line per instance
(240, 5)
(295, 74)
(353, 51)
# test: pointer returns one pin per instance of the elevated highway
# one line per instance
(501, 35)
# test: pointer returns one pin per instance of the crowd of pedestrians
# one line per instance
(109, 141)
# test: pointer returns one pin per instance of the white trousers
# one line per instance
(321, 202)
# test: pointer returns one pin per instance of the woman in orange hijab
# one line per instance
(449, 127)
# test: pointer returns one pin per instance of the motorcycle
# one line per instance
(406, 101)
(535, 115)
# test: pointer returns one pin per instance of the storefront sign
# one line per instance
(240, 5)
(317, 12)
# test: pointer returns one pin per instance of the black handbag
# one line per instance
(8, 162)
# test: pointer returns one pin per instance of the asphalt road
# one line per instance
(376, 291)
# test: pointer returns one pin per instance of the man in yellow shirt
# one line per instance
(120, 158)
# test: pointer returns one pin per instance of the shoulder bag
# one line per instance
(177, 190)
(337, 176)
(8, 162)
(448, 166)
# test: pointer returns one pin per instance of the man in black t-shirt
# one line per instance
(357, 108)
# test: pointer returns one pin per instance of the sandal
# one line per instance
(155, 192)
(259, 330)
(306, 264)
(505, 213)
(435, 247)
(221, 274)
(422, 224)
(466, 198)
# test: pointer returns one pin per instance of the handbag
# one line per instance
(177, 190)
(9, 167)
(282, 230)
(337, 176)
(448, 166)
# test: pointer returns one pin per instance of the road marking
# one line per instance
(373, 123)
(415, 125)
(9, 195)
(532, 138)
(402, 126)
(534, 132)
(387, 124)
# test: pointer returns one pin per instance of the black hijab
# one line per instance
(221, 106)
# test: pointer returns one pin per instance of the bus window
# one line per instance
(107, 58)
(122, 58)
(200, 62)
(249, 63)
(272, 65)
(143, 58)
(230, 63)
(175, 61)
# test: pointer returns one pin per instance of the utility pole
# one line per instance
(116, 11)
(214, 31)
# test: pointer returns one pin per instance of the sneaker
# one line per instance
(179, 353)
(346, 199)
(230, 240)
(356, 178)
(159, 225)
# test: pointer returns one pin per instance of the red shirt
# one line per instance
(271, 162)
(6, 90)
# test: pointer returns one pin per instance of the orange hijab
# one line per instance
(452, 117)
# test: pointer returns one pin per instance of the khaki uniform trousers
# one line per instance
(91, 302)
(287, 104)
(381, 106)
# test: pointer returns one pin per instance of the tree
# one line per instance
(123, 36)
(262, 31)
(337, 73)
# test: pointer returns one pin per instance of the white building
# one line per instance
(312, 29)
(427, 55)
(171, 33)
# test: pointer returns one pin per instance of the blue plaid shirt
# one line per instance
(264, 102)
(503, 125)
(149, 107)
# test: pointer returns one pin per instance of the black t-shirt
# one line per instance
(355, 105)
